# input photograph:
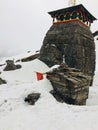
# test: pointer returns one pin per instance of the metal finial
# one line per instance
(72, 2)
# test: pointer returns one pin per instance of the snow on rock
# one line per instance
(47, 113)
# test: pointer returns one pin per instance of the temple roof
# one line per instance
(73, 8)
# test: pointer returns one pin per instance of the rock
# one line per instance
(30, 58)
(2, 64)
(32, 98)
(72, 43)
(95, 33)
(69, 84)
(57, 96)
(2, 81)
(18, 60)
(18, 66)
(11, 66)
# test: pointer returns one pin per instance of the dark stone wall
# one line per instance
(74, 42)
(69, 85)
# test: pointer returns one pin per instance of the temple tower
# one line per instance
(70, 40)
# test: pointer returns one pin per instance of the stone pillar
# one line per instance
(72, 40)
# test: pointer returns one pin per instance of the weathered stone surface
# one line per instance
(57, 96)
(11, 66)
(71, 42)
(69, 84)
(32, 98)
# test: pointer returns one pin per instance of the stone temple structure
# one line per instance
(70, 40)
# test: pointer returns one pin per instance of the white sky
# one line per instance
(24, 23)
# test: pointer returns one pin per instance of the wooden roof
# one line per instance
(73, 8)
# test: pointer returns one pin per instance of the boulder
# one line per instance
(18, 66)
(32, 98)
(69, 84)
(30, 58)
(2, 81)
(11, 66)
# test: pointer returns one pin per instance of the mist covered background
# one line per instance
(24, 23)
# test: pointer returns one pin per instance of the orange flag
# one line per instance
(39, 76)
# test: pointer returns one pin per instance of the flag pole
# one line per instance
(74, 2)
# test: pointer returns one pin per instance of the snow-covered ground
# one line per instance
(47, 113)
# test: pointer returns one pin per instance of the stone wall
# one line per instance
(69, 85)
(72, 43)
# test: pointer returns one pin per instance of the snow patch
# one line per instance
(47, 113)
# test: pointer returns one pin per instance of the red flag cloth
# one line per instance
(39, 76)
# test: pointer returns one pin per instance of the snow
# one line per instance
(47, 113)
